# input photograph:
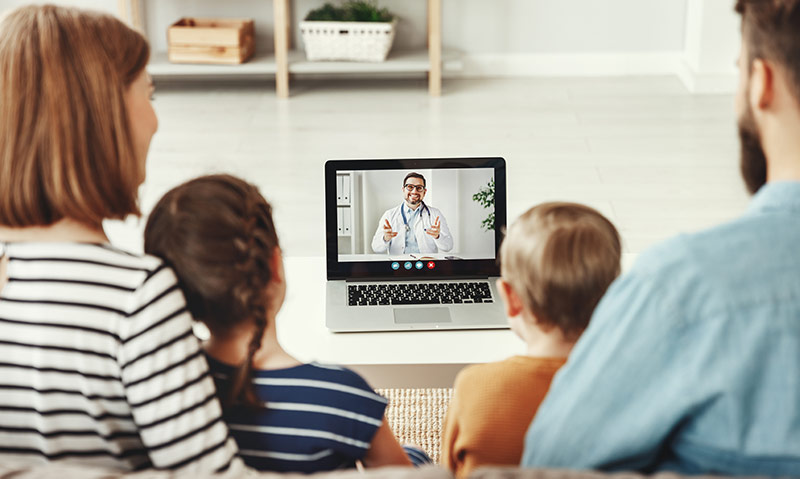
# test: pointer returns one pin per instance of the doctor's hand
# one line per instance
(434, 229)
(388, 234)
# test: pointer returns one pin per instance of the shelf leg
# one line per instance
(435, 47)
(281, 14)
(289, 25)
(122, 11)
(136, 15)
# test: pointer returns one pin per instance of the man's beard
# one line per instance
(753, 161)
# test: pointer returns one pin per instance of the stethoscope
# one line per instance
(405, 220)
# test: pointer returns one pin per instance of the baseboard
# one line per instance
(573, 65)
(471, 65)
(706, 83)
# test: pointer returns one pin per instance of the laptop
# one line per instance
(412, 244)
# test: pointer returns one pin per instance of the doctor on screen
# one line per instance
(413, 226)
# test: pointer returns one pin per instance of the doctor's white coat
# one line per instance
(426, 242)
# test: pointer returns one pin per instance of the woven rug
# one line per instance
(417, 416)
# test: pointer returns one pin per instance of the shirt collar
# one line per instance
(776, 196)
(409, 211)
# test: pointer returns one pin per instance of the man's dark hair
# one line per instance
(415, 175)
(771, 31)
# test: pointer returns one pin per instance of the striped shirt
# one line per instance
(99, 365)
(314, 418)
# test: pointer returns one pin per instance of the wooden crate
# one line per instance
(211, 40)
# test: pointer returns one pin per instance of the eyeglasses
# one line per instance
(411, 188)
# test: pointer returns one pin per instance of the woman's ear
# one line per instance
(276, 266)
(511, 300)
(276, 288)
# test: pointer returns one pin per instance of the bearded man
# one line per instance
(691, 362)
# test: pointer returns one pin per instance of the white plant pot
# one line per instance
(349, 41)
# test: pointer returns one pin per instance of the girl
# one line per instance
(217, 233)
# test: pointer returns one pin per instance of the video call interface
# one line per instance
(415, 218)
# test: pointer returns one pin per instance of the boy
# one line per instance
(557, 261)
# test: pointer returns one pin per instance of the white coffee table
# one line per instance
(302, 332)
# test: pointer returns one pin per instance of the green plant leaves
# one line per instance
(351, 11)
(485, 198)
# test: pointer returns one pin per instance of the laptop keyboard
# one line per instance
(418, 293)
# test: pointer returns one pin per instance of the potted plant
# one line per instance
(356, 31)
(485, 198)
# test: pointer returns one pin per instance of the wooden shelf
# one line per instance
(263, 65)
(414, 61)
(260, 65)
(285, 61)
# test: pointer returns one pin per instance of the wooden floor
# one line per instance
(655, 159)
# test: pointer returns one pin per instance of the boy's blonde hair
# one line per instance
(560, 258)
(66, 149)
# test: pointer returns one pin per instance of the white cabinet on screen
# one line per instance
(348, 212)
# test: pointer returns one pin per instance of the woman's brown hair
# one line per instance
(66, 149)
(218, 235)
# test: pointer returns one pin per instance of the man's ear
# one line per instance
(762, 86)
(511, 300)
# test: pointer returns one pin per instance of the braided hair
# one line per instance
(218, 235)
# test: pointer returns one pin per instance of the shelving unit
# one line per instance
(286, 61)
(398, 62)
(260, 65)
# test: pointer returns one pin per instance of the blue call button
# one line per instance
(418, 265)
(407, 265)
(395, 265)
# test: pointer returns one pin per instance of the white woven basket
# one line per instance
(351, 41)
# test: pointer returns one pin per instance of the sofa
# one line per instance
(61, 471)
(21, 471)
(416, 416)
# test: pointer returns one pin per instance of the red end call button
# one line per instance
(431, 265)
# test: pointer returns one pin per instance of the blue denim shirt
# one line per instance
(691, 362)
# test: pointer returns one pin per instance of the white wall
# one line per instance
(473, 214)
(103, 5)
(564, 26)
(691, 38)
(713, 38)
(541, 26)
(471, 26)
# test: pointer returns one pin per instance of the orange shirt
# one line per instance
(493, 404)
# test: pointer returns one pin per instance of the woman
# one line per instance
(98, 363)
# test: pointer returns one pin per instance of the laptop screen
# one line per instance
(414, 217)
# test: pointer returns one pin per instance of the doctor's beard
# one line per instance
(411, 202)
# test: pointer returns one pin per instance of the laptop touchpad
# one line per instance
(421, 315)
